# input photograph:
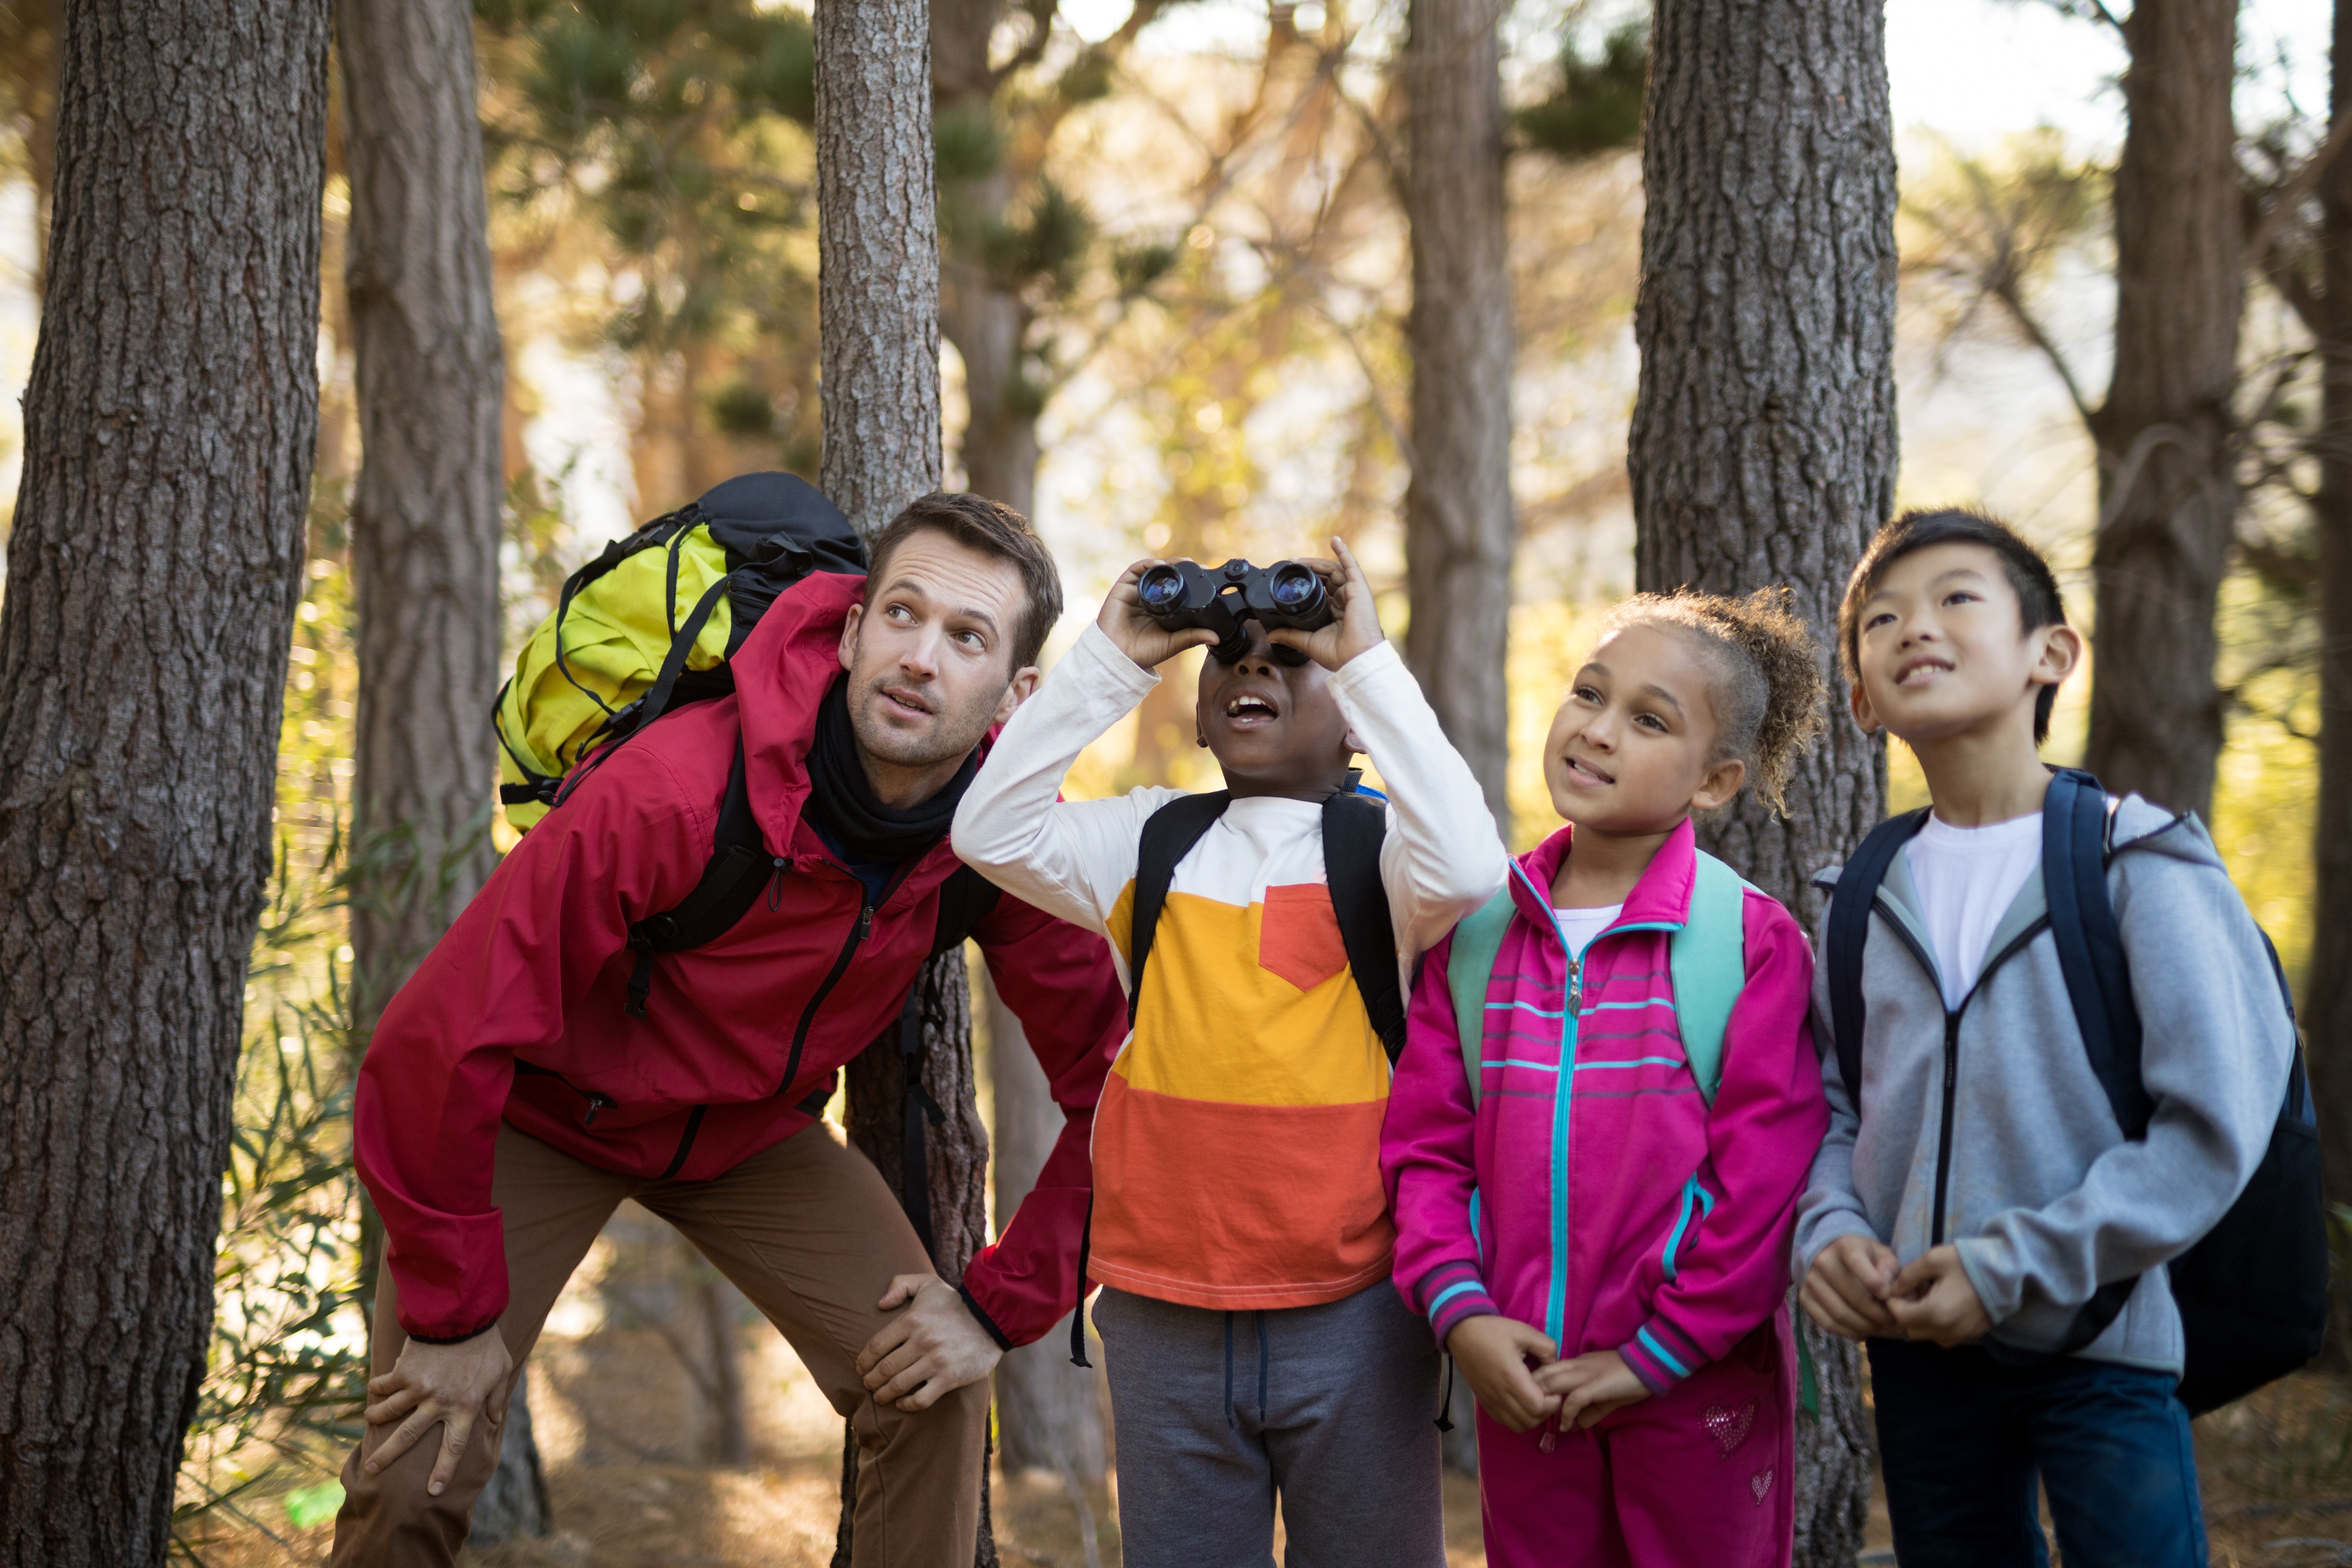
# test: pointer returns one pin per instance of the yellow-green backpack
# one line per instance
(617, 653)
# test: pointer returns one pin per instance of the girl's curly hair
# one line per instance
(1769, 688)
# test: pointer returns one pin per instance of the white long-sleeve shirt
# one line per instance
(1253, 1057)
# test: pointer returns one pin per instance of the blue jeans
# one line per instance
(1961, 1439)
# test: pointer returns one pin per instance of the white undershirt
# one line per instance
(1967, 879)
(1580, 926)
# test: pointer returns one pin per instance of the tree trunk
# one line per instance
(877, 257)
(2168, 488)
(2327, 984)
(878, 343)
(514, 1505)
(956, 1159)
(154, 567)
(1048, 1411)
(1459, 527)
(426, 527)
(1763, 446)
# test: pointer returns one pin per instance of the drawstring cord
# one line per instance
(1229, 1372)
(1261, 1421)
(1446, 1400)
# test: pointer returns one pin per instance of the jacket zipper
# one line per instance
(858, 933)
(1952, 1054)
(596, 1103)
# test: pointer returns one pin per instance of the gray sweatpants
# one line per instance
(1330, 1408)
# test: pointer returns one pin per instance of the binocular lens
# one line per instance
(1295, 587)
(1162, 589)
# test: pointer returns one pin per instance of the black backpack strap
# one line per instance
(739, 863)
(1168, 836)
(1849, 931)
(1353, 828)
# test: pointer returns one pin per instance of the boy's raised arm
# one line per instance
(1070, 858)
(1446, 858)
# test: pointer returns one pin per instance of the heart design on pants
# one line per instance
(1729, 1427)
(1760, 1483)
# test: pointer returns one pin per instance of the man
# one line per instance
(509, 1101)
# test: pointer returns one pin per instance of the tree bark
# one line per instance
(877, 257)
(1763, 446)
(425, 526)
(879, 344)
(1048, 1411)
(154, 567)
(2328, 986)
(2168, 488)
(1459, 527)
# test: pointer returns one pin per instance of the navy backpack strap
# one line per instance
(2090, 941)
(1849, 931)
(1169, 834)
(1354, 827)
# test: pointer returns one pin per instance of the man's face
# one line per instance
(1273, 725)
(1942, 648)
(929, 653)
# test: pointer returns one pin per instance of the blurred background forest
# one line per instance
(1174, 295)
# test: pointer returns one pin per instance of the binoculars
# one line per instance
(1181, 595)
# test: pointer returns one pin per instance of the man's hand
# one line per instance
(932, 1348)
(1933, 1300)
(1139, 637)
(1493, 1354)
(1846, 1289)
(1355, 621)
(1591, 1386)
(453, 1385)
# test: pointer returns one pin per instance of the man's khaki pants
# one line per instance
(810, 1233)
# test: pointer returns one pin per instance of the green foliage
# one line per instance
(286, 1372)
(1137, 266)
(678, 126)
(1596, 105)
(967, 143)
(1043, 248)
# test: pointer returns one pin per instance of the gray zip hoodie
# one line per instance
(2043, 1195)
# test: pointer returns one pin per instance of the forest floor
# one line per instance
(617, 1425)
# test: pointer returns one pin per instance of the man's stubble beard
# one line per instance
(947, 740)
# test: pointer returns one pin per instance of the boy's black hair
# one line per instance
(2029, 574)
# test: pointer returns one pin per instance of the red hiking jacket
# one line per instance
(517, 1013)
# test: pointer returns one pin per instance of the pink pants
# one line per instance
(1698, 1477)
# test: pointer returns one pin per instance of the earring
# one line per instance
(1200, 740)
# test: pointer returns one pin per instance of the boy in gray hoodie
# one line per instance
(1984, 1192)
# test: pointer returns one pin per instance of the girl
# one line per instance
(1594, 1200)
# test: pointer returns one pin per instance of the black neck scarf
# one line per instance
(841, 802)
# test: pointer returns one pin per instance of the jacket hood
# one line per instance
(1660, 897)
(782, 672)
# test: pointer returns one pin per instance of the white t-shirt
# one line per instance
(1967, 879)
(1580, 926)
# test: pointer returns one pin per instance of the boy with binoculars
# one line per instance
(1256, 1352)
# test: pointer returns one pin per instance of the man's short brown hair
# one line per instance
(993, 529)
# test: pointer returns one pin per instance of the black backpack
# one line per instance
(2253, 1293)
(1353, 826)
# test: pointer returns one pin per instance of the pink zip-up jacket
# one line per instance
(1627, 1213)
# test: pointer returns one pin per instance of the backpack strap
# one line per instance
(966, 899)
(1169, 834)
(1477, 939)
(1354, 827)
(2075, 829)
(739, 863)
(1849, 929)
(1710, 967)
